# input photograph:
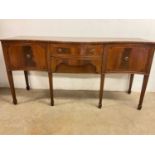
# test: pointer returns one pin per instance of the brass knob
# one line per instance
(28, 56)
(60, 50)
(126, 58)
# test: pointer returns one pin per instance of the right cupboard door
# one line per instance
(127, 58)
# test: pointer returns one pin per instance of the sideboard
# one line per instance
(79, 55)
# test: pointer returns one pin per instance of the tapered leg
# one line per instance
(130, 83)
(51, 87)
(27, 80)
(101, 90)
(145, 81)
(10, 78)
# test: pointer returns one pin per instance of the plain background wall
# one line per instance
(78, 28)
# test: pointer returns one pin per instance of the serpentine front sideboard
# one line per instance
(78, 55)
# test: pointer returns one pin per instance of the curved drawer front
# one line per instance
(127, 58)
(76, 50)
(75, 65)
(64, 49)
(90, 50)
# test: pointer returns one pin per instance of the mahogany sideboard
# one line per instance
(78, 55)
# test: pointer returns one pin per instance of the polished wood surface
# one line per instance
(77, 50)
(79, 55)
(127, 58)
(28, 56)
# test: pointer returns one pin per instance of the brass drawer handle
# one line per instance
(63, 50)
(28, 56)
(126, 59)
(60, 50)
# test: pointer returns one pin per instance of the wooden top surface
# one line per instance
(76, 39)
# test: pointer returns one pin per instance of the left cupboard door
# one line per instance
(27, 56)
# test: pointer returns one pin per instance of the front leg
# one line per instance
(101, 90)
(50, 76)
(11, 82)
(145, 81)
(130, 83)
(27, 80)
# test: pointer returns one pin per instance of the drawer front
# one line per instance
(76, 50)
(70, 65)
(91, 50)
(127, 58)
(27, 56)
(64, 49)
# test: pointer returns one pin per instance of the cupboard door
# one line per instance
(127, 58)
(29, 56)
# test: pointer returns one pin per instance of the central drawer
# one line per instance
(76, 57)
(76, 50)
